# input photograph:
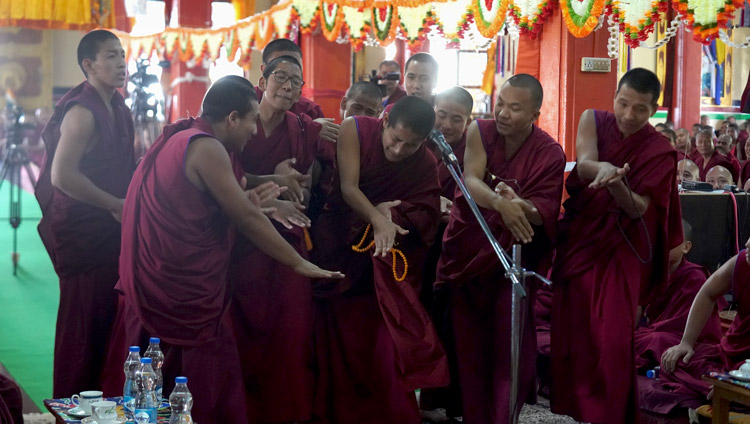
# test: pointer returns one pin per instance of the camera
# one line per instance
(380, 80)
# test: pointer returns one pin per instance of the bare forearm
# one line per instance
(482, 194)
(632, 203)
(587, 169)
(534, 217)
(360, 204)
(703, 307)
(79, 187)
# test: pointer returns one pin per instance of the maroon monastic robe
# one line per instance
(479, 309)
(735, 346)
(715, 160)
(375, 343)
(744, 174)
(176, 248)
(271, 304)
(393, 98)
(447, 183)
(83, 241)
(600, 276)
(740, 147)
(11, 403)
(667, 316)
(302, 106)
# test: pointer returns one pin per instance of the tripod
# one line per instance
(15, 159)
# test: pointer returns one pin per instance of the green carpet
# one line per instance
(28, 301)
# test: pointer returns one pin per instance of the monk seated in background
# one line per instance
(687, 170)
(361, 99)
(725, 146)
(734, 347)
(719, 176)
(665, 320)
(683, 143)
(707, 156)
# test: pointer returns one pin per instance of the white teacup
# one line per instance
(104, 412)
(86, 398)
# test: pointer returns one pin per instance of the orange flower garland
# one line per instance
(581, 25)
(331, 20)
(532, 25)
(385, 23)
(633, 35)
(705, 32)
(490, 28)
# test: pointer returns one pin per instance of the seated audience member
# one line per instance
(725, 146)
(683, 143)
(671, 136)
(666, 318)
(742, 138)
(687, 170)
(707, 156)
(732, 120)
(696, 129)
(719, 176)
(181, 214)
(361, 99)
(722, 128)
(734, 347)
(745, 171)
(704, 120)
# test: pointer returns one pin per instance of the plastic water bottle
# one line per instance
(157, 360)
(180, 402)
(130, 389)
(145, 401)
(654, 373)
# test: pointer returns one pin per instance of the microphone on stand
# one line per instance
(438, 139)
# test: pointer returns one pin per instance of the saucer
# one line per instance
(737, 375)
(77, 412)
(90, 420)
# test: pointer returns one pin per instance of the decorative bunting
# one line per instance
(489, 15)
(331, 20)
(452, 18)
(581, 16)
(385, 23)
(637, 18)
(706, 17)
(530, 15)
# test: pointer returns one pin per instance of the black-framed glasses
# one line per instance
(282, 77)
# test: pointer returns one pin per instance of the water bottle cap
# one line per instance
(650, 373)
(180, 380)
(154, 340)
(145, 360)
(134, 349)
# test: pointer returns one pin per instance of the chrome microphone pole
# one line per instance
(513, 270)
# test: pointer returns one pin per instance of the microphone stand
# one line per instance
(513, 270)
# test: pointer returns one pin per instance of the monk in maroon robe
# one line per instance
(707, 156)
(420, 79)
(687, 170)
(684, 144)
(271, 304)
(87, 168)
(375, 343)
(178, 226)
(11, 402)
(620, 222)
(452, 117)
(666, 318)
(509, 150)
(361, 99)
(718, 177)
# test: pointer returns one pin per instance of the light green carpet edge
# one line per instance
(28, 301)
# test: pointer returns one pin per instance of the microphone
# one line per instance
(438, 139)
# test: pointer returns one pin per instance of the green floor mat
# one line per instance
(28, 301)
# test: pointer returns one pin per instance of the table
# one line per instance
(712, 217)
(58, 407)
(725, 391)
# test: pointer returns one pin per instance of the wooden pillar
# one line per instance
(556, 57)
(685, 69)
(187, 95)
(327, 72)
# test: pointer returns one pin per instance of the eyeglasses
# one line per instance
(282, 77)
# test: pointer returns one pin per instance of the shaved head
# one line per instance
(530, 83)
(364, 88)
(718, 176)
(687, 170)
(458, 95)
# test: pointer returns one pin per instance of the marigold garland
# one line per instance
(359, 249)
(706, 17)
(489, 20)
(385, 23)
(307, 12)
(331, 20)
(583, 22)
(530, 24)
(356, 26)
(415, 22)
(453, 18)
(635, 32)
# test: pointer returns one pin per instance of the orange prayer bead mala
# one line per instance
(359, 249)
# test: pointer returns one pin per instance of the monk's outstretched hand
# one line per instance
(309, 269)
(513, 213)
(289, 214)
(384, 233)
(286, 176)
(606, 173)
(329, 130)
(263, 195)
(116, 209)
(675, 353)
(385, 208)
